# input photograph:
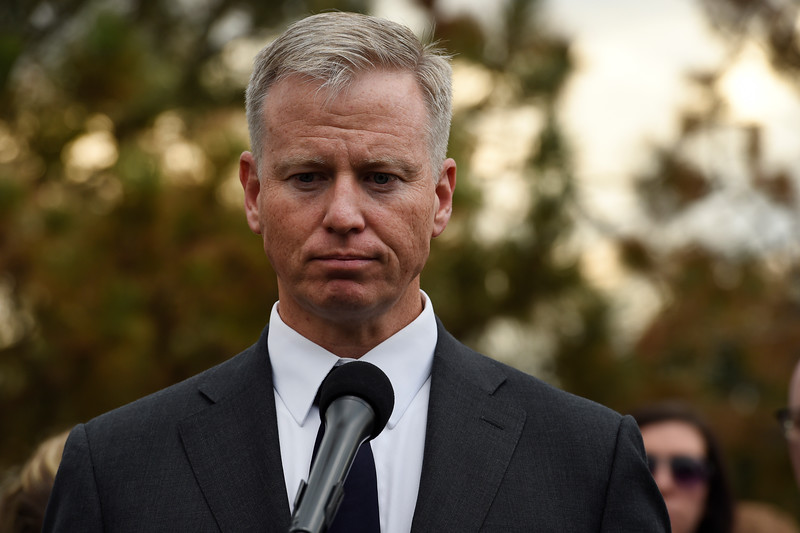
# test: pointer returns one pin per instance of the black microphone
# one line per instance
(356, 400)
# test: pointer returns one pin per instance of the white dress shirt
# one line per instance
(298, 368)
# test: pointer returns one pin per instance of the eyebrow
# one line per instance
(391, 162)
(299, 161)
(403, 165)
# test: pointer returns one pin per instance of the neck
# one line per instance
(351, 334)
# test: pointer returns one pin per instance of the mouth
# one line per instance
(344, 261)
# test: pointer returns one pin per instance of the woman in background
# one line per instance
(686, 462)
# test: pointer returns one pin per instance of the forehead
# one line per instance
(389, 93)
(379, 115)
(673, 437)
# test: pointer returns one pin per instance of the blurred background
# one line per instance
(627, 221)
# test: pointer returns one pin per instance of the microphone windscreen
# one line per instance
(363, 380)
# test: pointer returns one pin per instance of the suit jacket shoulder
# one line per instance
(508, 452)
(202, 454)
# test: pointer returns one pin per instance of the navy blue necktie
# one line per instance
(358, 512)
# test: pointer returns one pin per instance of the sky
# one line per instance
(633, 58)
(633, 61)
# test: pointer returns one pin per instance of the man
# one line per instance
(347, 184)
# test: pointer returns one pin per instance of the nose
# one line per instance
(344, 210)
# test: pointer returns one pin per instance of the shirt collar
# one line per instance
(299, 365)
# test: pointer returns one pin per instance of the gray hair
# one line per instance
(333, 48)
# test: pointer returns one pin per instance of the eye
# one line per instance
(306, 180)
(381, 178)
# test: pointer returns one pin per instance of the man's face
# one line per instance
(345, 200)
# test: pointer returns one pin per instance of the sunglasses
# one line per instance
(686, 471)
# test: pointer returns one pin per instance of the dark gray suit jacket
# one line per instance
(504, 452)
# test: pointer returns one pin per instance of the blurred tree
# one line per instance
(125, 261)
(772, 24)
(727, 333)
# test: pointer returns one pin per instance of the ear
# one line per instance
(444, 197)
(248, 177)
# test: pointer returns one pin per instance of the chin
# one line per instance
(343, 307)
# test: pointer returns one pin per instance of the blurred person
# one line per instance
(686, 462)
(789, 418)
(25, 494)
(347, 183)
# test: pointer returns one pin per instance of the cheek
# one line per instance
(702, 497)
(407, 231)
(278, 230)
(693, 502)
(418, 216)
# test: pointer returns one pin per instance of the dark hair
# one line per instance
(718, 515)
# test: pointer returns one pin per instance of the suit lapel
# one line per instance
(471, 436)
(233, 446)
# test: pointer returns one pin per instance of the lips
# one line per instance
(343, 257)
(344, 261)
